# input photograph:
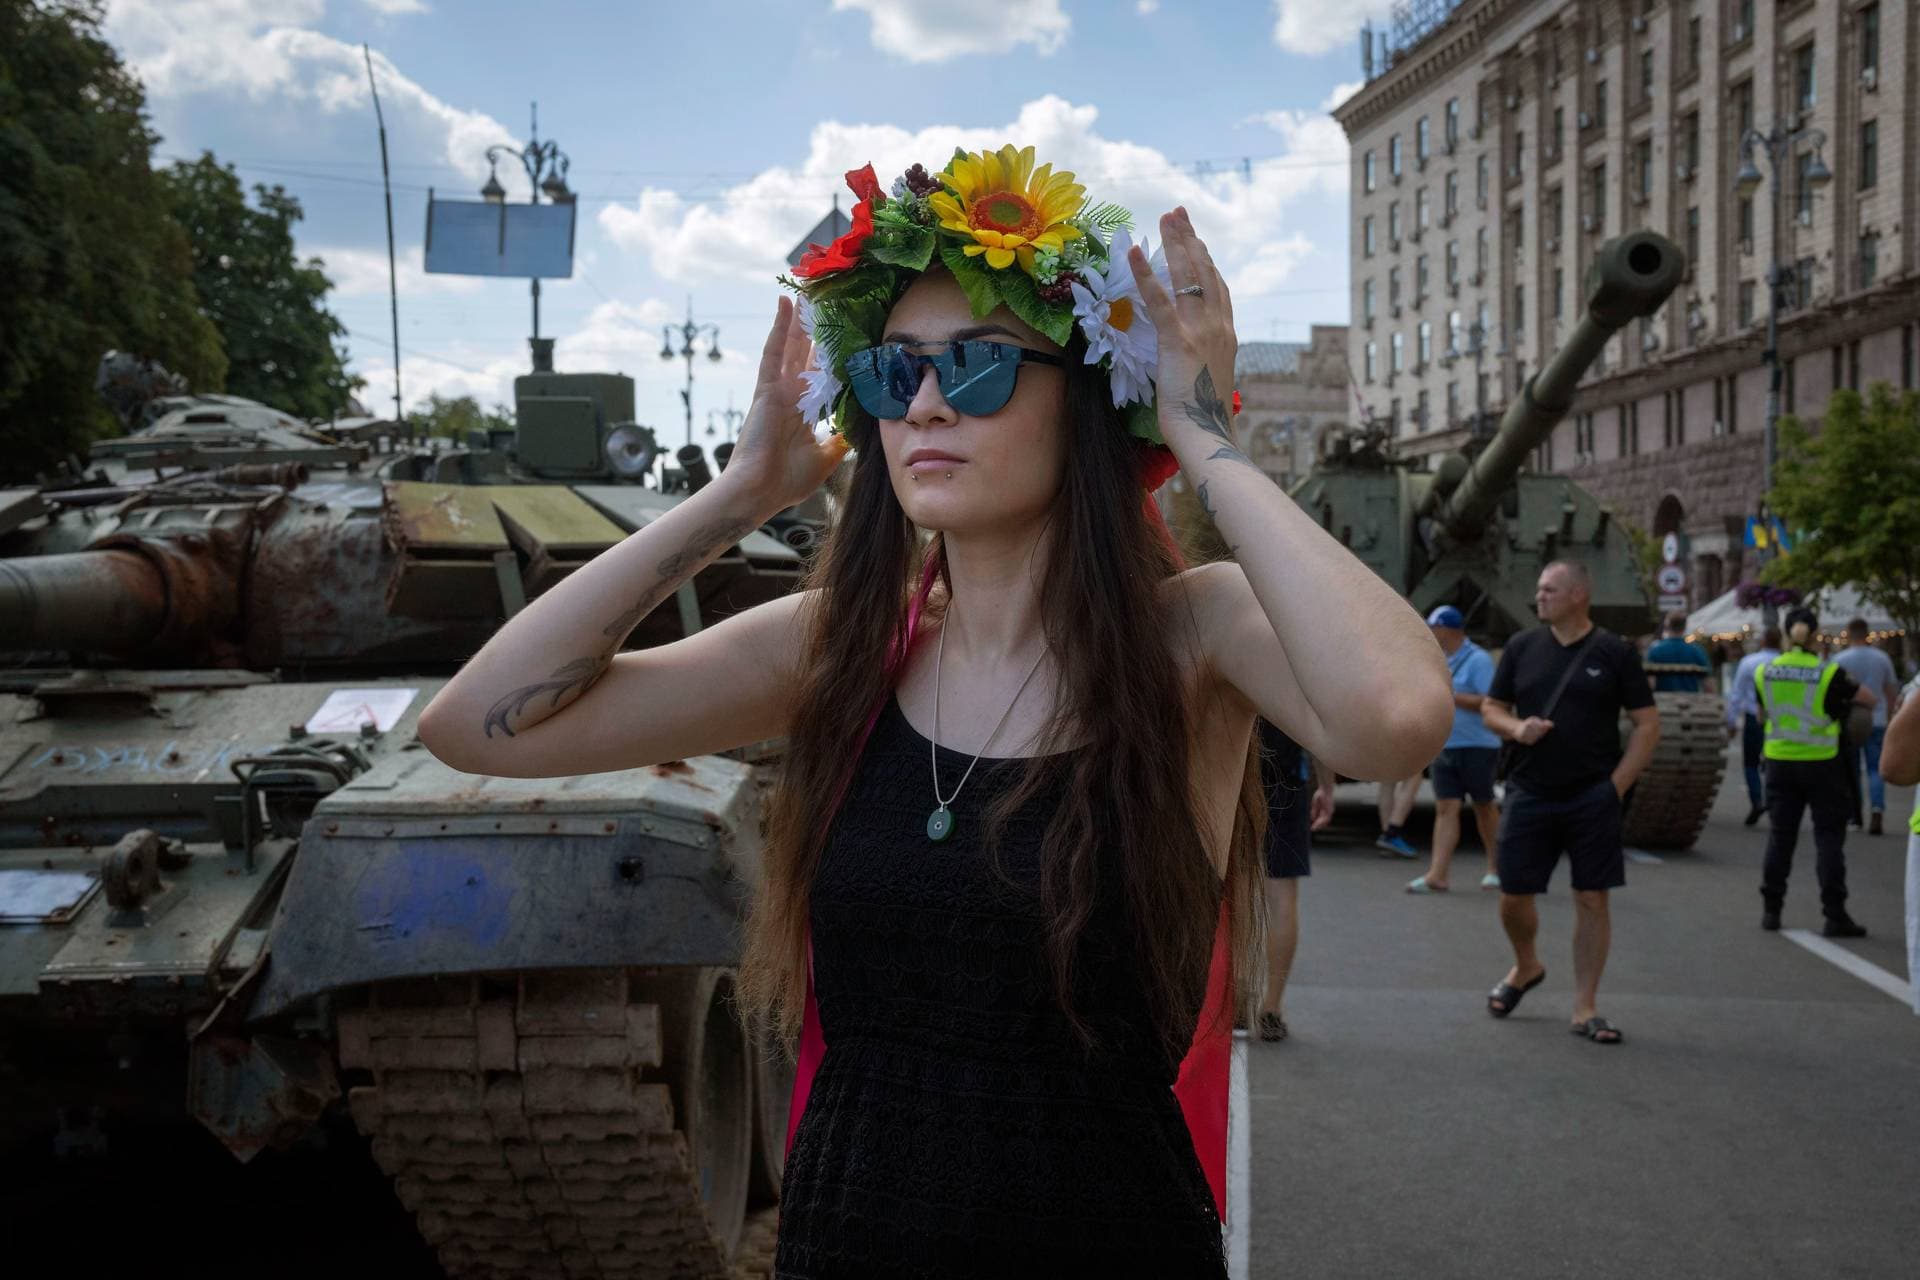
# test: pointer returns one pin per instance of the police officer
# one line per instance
(1803, 701)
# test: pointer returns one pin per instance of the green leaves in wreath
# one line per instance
(975, 277)
(1023, 298)
(899, 240)
(843, 327)
(1143, 420)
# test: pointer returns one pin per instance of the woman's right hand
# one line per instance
(776, 455)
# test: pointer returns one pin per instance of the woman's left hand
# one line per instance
(1194, 327)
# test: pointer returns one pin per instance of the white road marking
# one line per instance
(1642, 856)
(1871, 974)
(1239, 1163)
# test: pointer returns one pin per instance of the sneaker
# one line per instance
(1842, 926)
(1770, 921)
(1396, 846)
(1756, 813)
(1874, 828)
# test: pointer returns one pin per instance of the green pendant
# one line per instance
(939, 824)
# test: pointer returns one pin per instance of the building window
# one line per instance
(1393, 155)
(1746, 224)
(1373, 357)
(1367, 177)
(1453, 403)
(1803, 81)
(1420, 410)
(1421, 147)
(1516, 230)
(1419, 279)
(1366, 299)
(1480, 253)
(1693, 43)
(1424, 352)
(1598, 200)
(1480, 181)
(1746, 303)
(1600, 104)
(1869, 153)
(1646, 75)
(1693, 235)
(1869, 258)
(1690, 141)
(1453, 121)
(1803, 187)
(1485, 321)
(1519, 307)
(1399, 353)
(1643, 166)
(1393, 287)
(1559, 288)
(1420, 218)
(1453, 263)
(1870, 38)
(1366, 236)
(1559, 133)
(1556, 211)
(1742, 110)
(1393, 224)
(1453, 194)
(1802, 283)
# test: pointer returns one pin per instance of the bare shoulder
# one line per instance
(1197, 600)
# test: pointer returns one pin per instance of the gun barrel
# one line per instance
(98, 601)
(1631, 277)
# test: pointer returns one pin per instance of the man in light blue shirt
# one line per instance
(1465, 767)
(1872, 670)
(1743, 718)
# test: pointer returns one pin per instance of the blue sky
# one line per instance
(705, 139)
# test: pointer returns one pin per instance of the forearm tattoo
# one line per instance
(574, 678)
(1210, 413)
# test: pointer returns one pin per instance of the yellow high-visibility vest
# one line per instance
(1793, 700)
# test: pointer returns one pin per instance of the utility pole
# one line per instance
(688, 332)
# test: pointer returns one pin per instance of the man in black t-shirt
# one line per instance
(1556, 697)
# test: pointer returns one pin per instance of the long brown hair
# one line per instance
(1128, 808)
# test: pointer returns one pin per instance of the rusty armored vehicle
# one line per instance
(1476, 531)
(234, 886)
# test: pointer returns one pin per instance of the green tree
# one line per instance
(454, 416)
(93, 262)
(1850, 497)
(269, 306)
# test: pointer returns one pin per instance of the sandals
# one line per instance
(1419, 885)
(1273, 1028)
(1598, 1030)
(1489, 881)
(1505, 997)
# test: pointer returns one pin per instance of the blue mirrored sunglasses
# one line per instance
(976, 377)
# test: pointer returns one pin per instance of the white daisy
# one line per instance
(1112, 315)
(823, 386)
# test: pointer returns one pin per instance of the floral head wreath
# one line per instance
(1010, 234)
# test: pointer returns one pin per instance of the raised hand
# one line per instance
(1194, 325)
(776, 455)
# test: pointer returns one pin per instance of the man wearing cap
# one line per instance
(1464, 769)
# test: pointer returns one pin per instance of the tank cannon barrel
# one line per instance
(96, 601)
(1631, 277)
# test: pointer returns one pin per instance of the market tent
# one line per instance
(1724, 619)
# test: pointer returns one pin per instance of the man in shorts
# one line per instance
(1872, 670)
(1557, 695)
(1464, 769)
(1289, 777)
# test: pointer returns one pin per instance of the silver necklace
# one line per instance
(940, 821)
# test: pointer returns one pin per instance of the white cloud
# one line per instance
(1145, 7)
(257, 48)
(1319, 26)
(394, 7)
(1341, 92)
(363, 272)
(746, 232)
(936, 30)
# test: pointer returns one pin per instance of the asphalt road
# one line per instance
(1762, 1117)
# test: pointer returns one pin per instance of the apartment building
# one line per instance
(1498, 143)
(1288, 392)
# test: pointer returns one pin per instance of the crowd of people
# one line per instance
(1822, 730)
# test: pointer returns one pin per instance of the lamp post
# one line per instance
(688, 332)
(546, 167)
(730, 415)
(1777, 145)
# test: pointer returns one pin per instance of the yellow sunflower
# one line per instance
(1007, 206)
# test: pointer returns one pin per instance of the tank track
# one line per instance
(1676, 793)
(514, 1117)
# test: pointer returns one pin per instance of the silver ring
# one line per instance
(1191, 290)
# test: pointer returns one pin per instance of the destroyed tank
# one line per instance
(218, 830)
(1476, 531)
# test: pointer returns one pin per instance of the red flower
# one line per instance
(1236, 404)
(1157, 465)
(845, 252)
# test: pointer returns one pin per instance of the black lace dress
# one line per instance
(955, 1127)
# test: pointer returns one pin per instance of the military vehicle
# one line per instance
(234, 886)
(1476, 531)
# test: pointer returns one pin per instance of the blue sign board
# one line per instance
(480, 238)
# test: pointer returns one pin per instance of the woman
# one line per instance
(993, 884)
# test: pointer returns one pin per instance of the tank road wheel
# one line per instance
(542, 1124)
(1673, 797)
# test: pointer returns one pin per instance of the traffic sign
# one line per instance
(1670, 603)
(1671, 579)
(1670, 548)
